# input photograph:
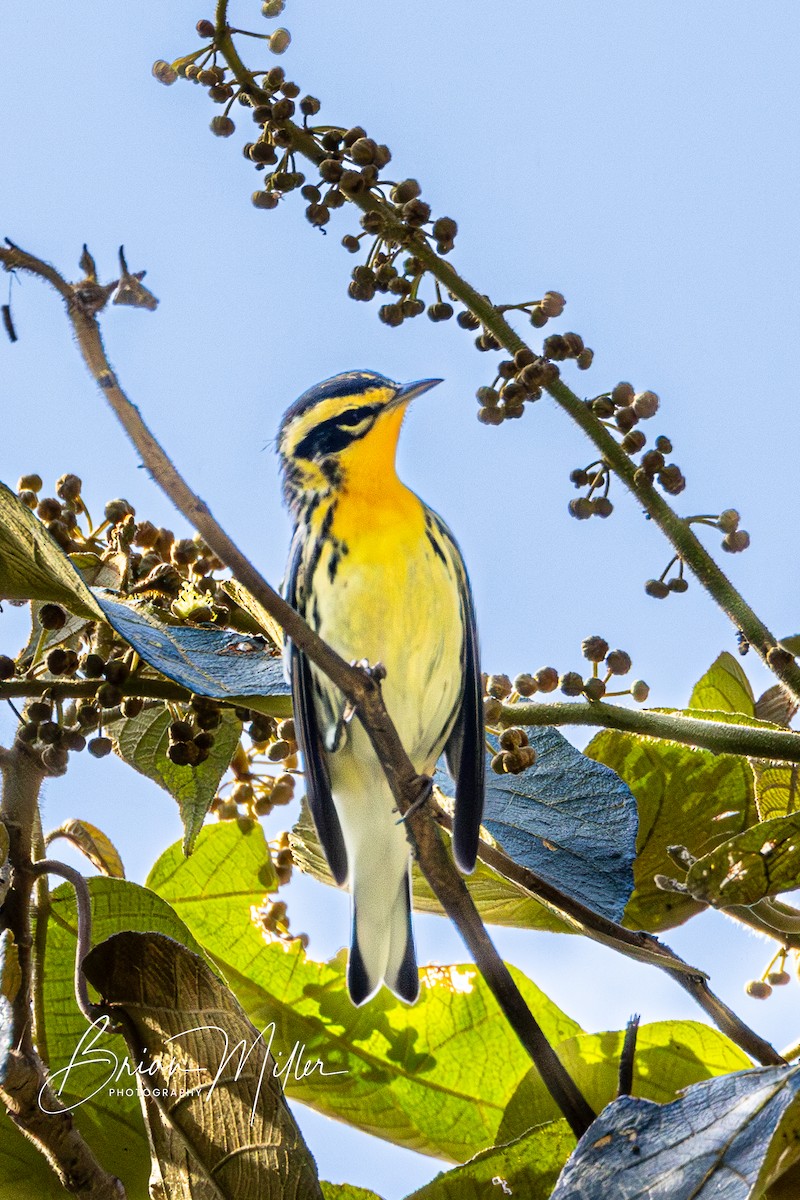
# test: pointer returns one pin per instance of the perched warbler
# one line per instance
(379, 576)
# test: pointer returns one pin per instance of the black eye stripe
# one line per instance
(332, 436)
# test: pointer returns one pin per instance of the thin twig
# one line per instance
(626, 1058)
(50, 866)
(753, 741)
(144, 687)
(358, 685)
(642, 947)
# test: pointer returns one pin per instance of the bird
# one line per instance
(377, 575)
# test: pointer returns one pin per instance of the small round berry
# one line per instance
(39, 710)
(728, 521)
(116, 671)
(594, 649)
(603, 506)
(546, 679)
(736, 541)
(678, 584)
(99, 747)
(657, 589)
(525, 684)
(279, 41)
(68, 487)
(55, 759)
(205, 28)
(779, 978)
(49, 733)
(499, 686)
(513, 738)
(594, 689)
(758, 989)
(30, 483)
(572, 684)
(640, 691)
(581, 509)
(132, 706)
(181, 731)
(634, 441)
(52, 616)
(164, 73)
(492, 710)
(118, 510)
(7, 667)
(93, 666)
(222, 126)
(618, 662)
(109, 695)
(645, 405)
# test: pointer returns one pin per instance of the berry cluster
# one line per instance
(519, 380)
(498, 688)
(774, 976)
(735, 540)
(620, 410)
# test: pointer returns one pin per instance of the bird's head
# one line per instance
(346, 426)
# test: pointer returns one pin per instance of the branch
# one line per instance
(752, 741)
(39, 1115)
(31, 1105)
(358, 685)
(145, 687)
(678, 532)
(635, 944)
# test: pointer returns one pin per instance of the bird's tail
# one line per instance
(382, 949)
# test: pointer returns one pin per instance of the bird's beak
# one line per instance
(411, 390)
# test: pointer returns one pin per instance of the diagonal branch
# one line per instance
(677, 530)
(358, 685)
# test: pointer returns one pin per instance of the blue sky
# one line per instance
(639, 158)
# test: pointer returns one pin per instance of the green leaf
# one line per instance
(528, 1167)
(777, 788)
(211, 662)
(142, 742)
(498, 900)
(347, 1191)
(221, 1116)
(435, 1077)
(670, 1056)
(762, 861)
(111, 1123)
(92, 842)
(33, 566)
(725, 688)
(685, 797)
(712, 1143)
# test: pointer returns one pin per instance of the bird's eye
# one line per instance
(354, 417)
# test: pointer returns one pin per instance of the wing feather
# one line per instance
(309, 740)
(465, 752)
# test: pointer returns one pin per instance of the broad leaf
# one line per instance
(142, 742)
(33, 566)
(670, 1056)
(347, 1191)
(567, 818)
(80, 1066)
(724, 688)
(685, 797)
(435, 1077)
(222, 1127)
(498, 900)
(210, 662)
(777, 788)
(776, 705)
(711, 1143)
(527, 1167)
(92, 842)
(762, 861)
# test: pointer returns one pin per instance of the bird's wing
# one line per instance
(465, 751)
(309, 740)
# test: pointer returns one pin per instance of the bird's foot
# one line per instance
(426, 785)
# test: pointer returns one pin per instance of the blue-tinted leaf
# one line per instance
(568, 818)
(210, 662)
(710, 1143)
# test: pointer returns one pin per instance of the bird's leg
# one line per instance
(426, 791)
(378, 673)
